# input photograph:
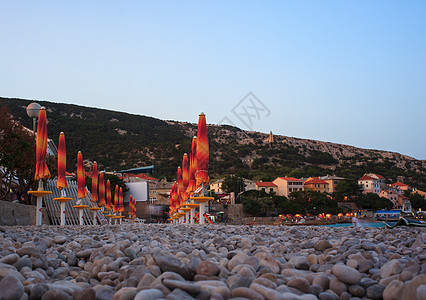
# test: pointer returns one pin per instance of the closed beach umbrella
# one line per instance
(101, 190)
(62, 163)
(201, 176)
(81, 178)
(185, 177)
(116, 200)
(120, 201)
(95, 182)
(180, 187)
(173, 198)
(42, 172)
(192, 167)
(108, 195)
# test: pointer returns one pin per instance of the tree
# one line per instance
(233, 183)
(417, 201)
(346, 189)
(373, 201)
(17, 156)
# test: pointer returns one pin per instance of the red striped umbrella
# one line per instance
(185, 177)
(62, 163)
(180, 187)
(201, 175)
(120, 201)
(101, 189)
(42, 172)
(192, 168)
(108, 195)
(115, 208)
(95, 182)
(174, 197)
(81, 178)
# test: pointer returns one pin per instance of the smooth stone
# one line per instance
(356, 290)
(167, 262)
(393, 290)
(237, 260)
(84, 254)
(103, 292)
(179, 294)
(301, 284)
(299, 262)
(10, 259)
(321, 280)
(60, 239)
(207, 268)
(375, 291)
(56, 294)
(390, 268)
(150, 294)
(346, 274)
(38, 290)
(23, 262)
(126, 293)
(410, 287)
(312, 259)
(10, 271)
(245, 292)
(145, 282)
(337, 286)
(11, 287)
(84, 294)
(421, 292)
(322, 245)
(183, 285)
(26, 250)
(266, 292)
(267, 260)
(327, 296)
(365, 265)
(265, 282)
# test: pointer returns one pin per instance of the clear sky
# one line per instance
(351, 72)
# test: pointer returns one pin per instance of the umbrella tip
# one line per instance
(42, 107)
(202, 114)
(62, 132)
(79, 151)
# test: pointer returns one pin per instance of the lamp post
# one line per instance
(33, 109)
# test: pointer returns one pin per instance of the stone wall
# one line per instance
(19, 214)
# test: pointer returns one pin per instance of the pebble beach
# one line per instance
(169, 261)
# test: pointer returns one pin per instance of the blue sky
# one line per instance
(351, 72)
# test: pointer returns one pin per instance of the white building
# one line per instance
(372, 183)
(287, 185)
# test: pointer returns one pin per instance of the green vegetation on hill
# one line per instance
(119, 140)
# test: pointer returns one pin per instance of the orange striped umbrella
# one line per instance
(174, 197)
(95, 182)
(180, 187)
(134, 208)
(101, 189)
(120, 201)
(62, 163)
(185, 177)
(201, 175)
(115, 208)
(81, 178)
(42, 172)
(130, 206)
(192, 167)
(108, 195)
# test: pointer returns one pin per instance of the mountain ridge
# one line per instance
(118, 140)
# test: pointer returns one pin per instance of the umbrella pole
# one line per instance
(201, 213)
(187, 217)
(80, 215)
(62, 213)
(39, 213)
(192, 215)
(94, 218)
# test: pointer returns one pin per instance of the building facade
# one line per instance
(332, 182)
(316, 184)
(372, 183)
(287, 185)
(266, 186)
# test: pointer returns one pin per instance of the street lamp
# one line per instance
(33, 111)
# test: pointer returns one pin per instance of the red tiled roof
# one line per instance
(290, 179)
(366, 177)
(379, 176)
(315, 180)
(398, 184)
(266, 184)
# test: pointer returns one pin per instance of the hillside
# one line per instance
(119, 140)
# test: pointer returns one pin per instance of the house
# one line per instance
(332, 182)
(287, 185)
(399, 187)
(266, 186)
(372, 183)
(391, 195)
(316, 184)
(159, 192)
(216, 186)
